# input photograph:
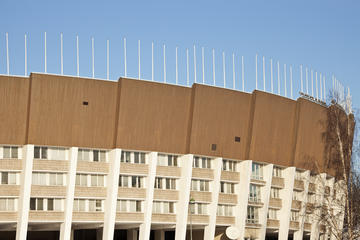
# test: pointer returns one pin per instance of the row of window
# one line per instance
(275, 193)
(91, 155)
(46, 204)
(163, 207)
(129, 205)
(50, 153)
(8, 152)
(133, 157)
(198, 208)
(131, 181)
(90, 180)
(88, 205)
(201, 162)
(254, 193)
(8, 204)
(224, 210)
(49, 179)
(252, 214)
(272, 214)
(200, 185)
(226, 187)
(167, 160)
(229, 165)
(165, 183)
(11, 178)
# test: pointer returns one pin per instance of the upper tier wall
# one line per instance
(141, 115)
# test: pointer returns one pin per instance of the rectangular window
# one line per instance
(272, 214)
(257, 172)
(81, 180)
(8, 204)
(254, 193)
(10, 152)
(294, 216)
(57, 153)
(277, 172)
(225, 210)
(200, 185)
(226, 187)
(97, 180)
(40, 152)
(229, 165)
(252, 215)
(50, 204)
(275, 193)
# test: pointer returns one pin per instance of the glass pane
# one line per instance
(91, 205)
(83, 180)
(101, 181)
(50, 204)
(11, 204)
(102, 156)
(96, 155)
(6, 152)
(53, 178)
(133, 181)
(14, 152)
(127, 157)
(93, 180)
(12, 178)
(142, 158)
(3, 204)
(40, 204)
(81, 205)
(59, 179)
(138, 206)
(44, 153)
(136, 157)
(123, 205)
(57, 204)
(4, 178)
(77, 181)
(86, 155)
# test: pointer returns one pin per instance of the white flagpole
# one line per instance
(45, 55)
(324, 89)
(301, 78)
(264, 74)
(139, 58)
(285, 80)
(242, 73)
(316, 86)
(278, 75)
(312, 83)
(77, 56)
(307, 80)
(93, 57)
(203, 67)
(152, 61)
(213, 62)
(107, 60)
(271, 75)
(320, 82)
(233, 56)
(291, 83)
(164, 51)
(187, 68)
(125, 67)
(7, 55)
(256, 71)
(195, 64)
(61, 55)
(25, 56)
(224, 75)
(176, 69)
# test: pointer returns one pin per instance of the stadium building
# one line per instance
(92, 159)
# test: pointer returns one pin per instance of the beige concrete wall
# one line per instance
(203, 173)
(124, 192)
(160, 194)
(273, 223)
(95, 167)
(199, 219)
(88, 216)
(299, 185)
(10, 164)
(225, 220)
(46, 216)
(163, 218)
(9, 190)
(132, 168)
(275, 203)
(90, 192)
(129, 217)
(227, 198)
(296, 205)
(294, 225)
(277, 182)
(230, 176)
(8, 216)
(168, 171)
(201, 196)
(51, 191)
(51, 165)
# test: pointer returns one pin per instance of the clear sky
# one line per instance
(323, 35)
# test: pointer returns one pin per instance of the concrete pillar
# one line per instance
(320, 182)
(298, 235)
(184, 196)
(112, 191)
(265, 197)
(242, 191)
(159, 235)
(145, 227)
(65, 228)
(286, 196)
(209, 232)
(25, 190)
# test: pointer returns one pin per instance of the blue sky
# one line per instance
(322, 35)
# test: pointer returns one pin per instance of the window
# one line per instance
(129, 205)
(56, 179)
(167, 160)
(252, 215)
(226, 187)
(81, 180)
(225, 210)
(99, 156)
(274, 193)
(54, 204)
(163, 207)
(40, 152)
(311, 198)
(256, 171)
(125, 157)
(229, 165)
(277, 172)
(254, 194)
(133, 157)
(39, 178)
(95, 205)
(298, 175)
(79, 205)
(9, 178)
(139, 157)
(131, 181)
(97, 180)
(91, 155)
(272, 214)
(88, 205)
(201, 162)
(43, 178)
(165, 183)
(8, 204)
(198, 208)
(57, 153)
(296, 195)
(294, 216)
(10, 152)
(200, 185)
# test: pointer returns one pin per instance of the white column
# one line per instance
(25, 190)
(242, 191)
(286, 196)
(112, 191)
(65, 228)
(184, 196)
(320, 189)
(265, 197)
(145, 227)
(298, 235)
(209, 232)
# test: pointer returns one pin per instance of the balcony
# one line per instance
(10, 190)
(93, 167)
(225, 220)
(203, 173)
(275, 203)
(163, 218)
(230, 176)
(273, 223)
(134, 168)
(51, 165)
(138, 193)
(53, 191)
(168, 171)
(162, 194)
(294, 225)
(48, 216)
(127, 217)
(11, 164)
(8, 216)
(253, 223)
(88, 216)
(258, 180)
(310, 207)
(296, 205)
(225, 198)
(299, 185)
(201, 196)
(199, 219)
(277, 182)
(254, 201)
(312, 188)
(90, 192)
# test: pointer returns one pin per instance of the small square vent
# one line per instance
(213, 147)
(85, 103)
(237, 139)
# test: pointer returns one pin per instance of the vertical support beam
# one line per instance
(265, 197)
(242, 191)
(298, 235)
(65, 228)
(320, 189)
(112, 191)
(286, 196)
(209, 232)
(25, 190)
(145, 227)
(184, 196)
